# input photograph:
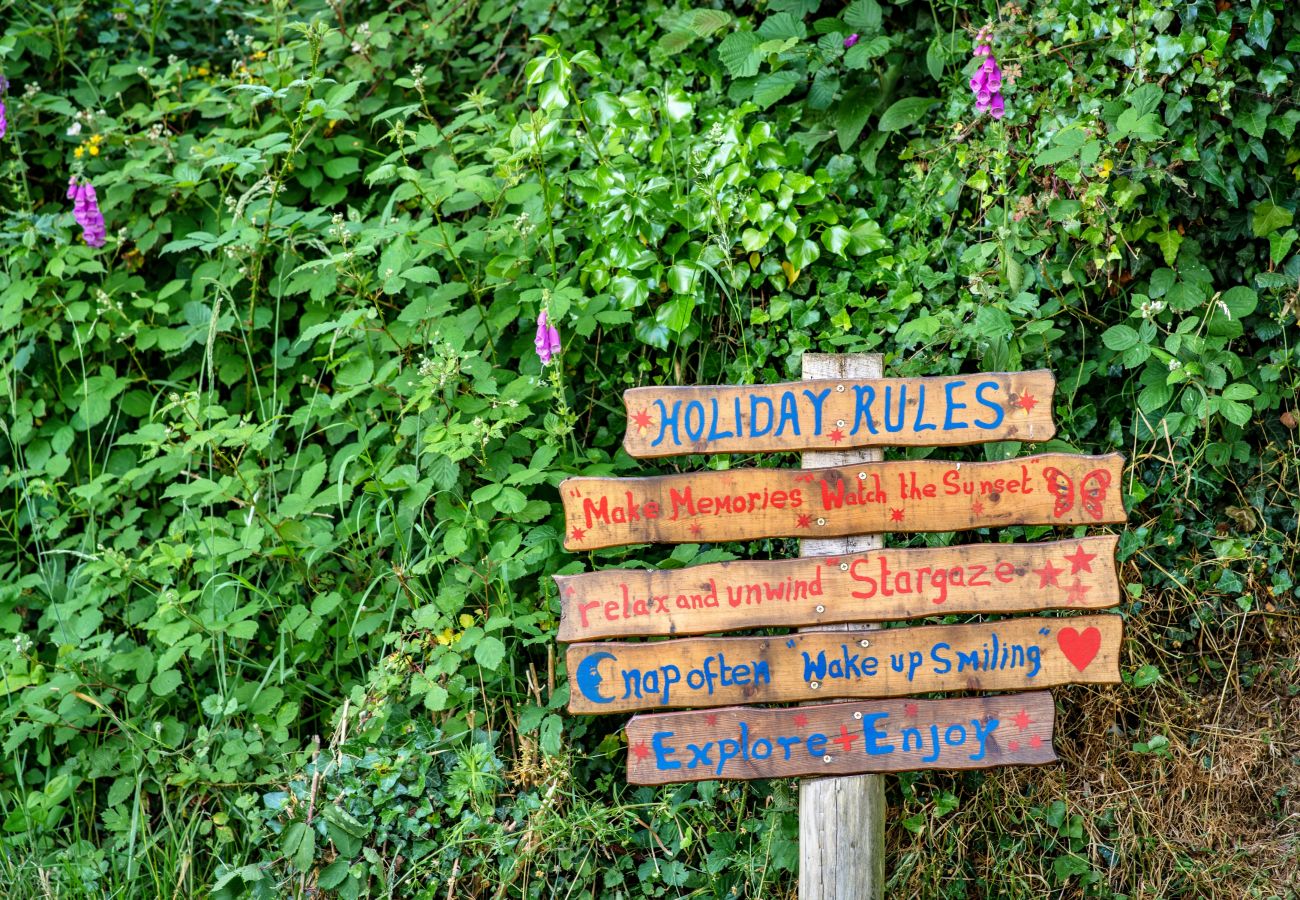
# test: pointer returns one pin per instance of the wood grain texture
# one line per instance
(842, 738)
(849, 860)
(840, 413)
(869, 497)
(1010, 655)
(877, 586)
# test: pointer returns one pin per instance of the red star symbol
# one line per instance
(697, 528)
(911, 710)
(578, 534)
(641, 418)
(805, 520)
(1013, 746)
(568, 591)
(711, 718)
(977, 507)
(640, 750)
(1035, 741)
(836, 436)
(800, 720)
(1022, 720)
(845, 739)
(1080, 561)
(1026, 402)
(1047, 574)
(895, 515)
(1077, 592)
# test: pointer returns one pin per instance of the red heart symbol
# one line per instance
(1079, 647)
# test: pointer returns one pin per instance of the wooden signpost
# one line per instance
(836, 414)
(843, 497)
(924, 495)
(876, 586)
(1015, 654)
(842, 738)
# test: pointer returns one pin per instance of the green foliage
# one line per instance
(279, 461)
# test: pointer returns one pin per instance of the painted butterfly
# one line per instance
(1092, 491)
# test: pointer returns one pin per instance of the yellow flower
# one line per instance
(1105, 168)
(94, 149)
(78, 152)
(202, 70)
(260, 54)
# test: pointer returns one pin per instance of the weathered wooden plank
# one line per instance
(897, 496)
(840, 413)
(1014, 654)
(877, 586)
(848, 860)
(842, 738)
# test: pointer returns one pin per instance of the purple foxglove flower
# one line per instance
(85, 209)
(547, 340)
(986, 83)
(4, 123)
(850, 41)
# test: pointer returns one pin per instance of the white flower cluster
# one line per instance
(1150, 308)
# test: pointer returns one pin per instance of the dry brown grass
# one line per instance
(1214, 813)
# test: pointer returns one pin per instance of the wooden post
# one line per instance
(841, 820)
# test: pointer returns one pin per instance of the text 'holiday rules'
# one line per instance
(900, 496)
(842, 738)
(840, 414)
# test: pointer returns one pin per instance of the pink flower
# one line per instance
(850, 41)
(547, 340)
(85, 209)
(986, 84)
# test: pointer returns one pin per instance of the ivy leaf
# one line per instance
(1268, 217)
(836, 239)
(802, 253)
(1168, 241)
(904, 113)
(738, 53)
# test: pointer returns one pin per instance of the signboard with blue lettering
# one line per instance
(903, 495)
(827, 500)
(1014, 654)
(873, 586)
(841, 739)
(840, 414)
